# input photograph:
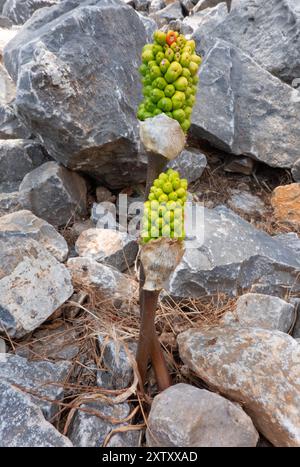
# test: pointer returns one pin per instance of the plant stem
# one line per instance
(149, 346)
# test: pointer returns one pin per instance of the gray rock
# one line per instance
(205, 419)
(261, 311)
(22, 423)
(243, 109)
(10, 125)
(190, 164)
(149, 25)
(5, 22)
(9, 202)
(44, 379)
(162, 135)
(296, 329)
(203, 22)
(2, 346)
(156, 5)
(58, 80)
(205, 4)
(257, 27)
(2, 5)
(103, 194)
(296, 171)
(88, 430)
(291, 240)
(33, 284)
(24, 224)
(141, 5)
(258, 368)
(234, 257)
(246, 203)
(104, 215)
(79, 227)
(7, 86)
(117, 249)
(54, 193)
(117, 373)
(19, 11)
(171, 12)
(243, 165)
(17, 158)
(110, 282)
(187, 6)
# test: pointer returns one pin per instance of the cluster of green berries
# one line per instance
(169, 76)
(164, 211)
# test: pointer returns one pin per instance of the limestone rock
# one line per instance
(43, 378)
(162, 135)
(117, 249)
(185, 416)
(243, 109)
(19, 11)
(9, 202)
(191, 164)
(261, 311)
(245, 202)
(107, 280)
(231, 256)
(88, 430)
(33, 284)
(10, 125)
(24, 224)
(57, 81)
(17, 158)
(22, 423)
(171, 12)
(202, 22)
(286, 203)
(53, 193)
(258, 368)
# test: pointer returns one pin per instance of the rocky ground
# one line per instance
(229, 321)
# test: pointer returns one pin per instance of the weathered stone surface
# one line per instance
(243, 109)
(117, 249)
(169, 13)
(190, 164)
(53, 193)
(6, 35)
(10, 125)
(243, 165)
(245, 202)
(104, 215)
(107, 280)
(22, 423)
(5, 22)
(103, 194)
(261, 311)
(2, 346)
(117, 372)
(286, 203)
(156, 5)
(57, 80)
(291, 240)
(9, 202)
(234, 257)
(187, 6)
(256, 367)
(51, 344)
(17, 158)
(162, 135)
(88, 430)
(205, 419)
(33, 284)
(24, 224)
(7, 87)
(257, 27)
(203, 22)
(44, 379)
(19, 11)
(204, 4)
(296, 329)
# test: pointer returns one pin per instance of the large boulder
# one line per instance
(33, 284)
(243, 109)
(19, 11)
(232, 257)
(22, 423)
(44, 381)
(53, 193)
(269, 31)
(258, 368)
(205, 419)
(79, 87)
(17, 158)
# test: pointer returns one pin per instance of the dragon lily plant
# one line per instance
(169, 76)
